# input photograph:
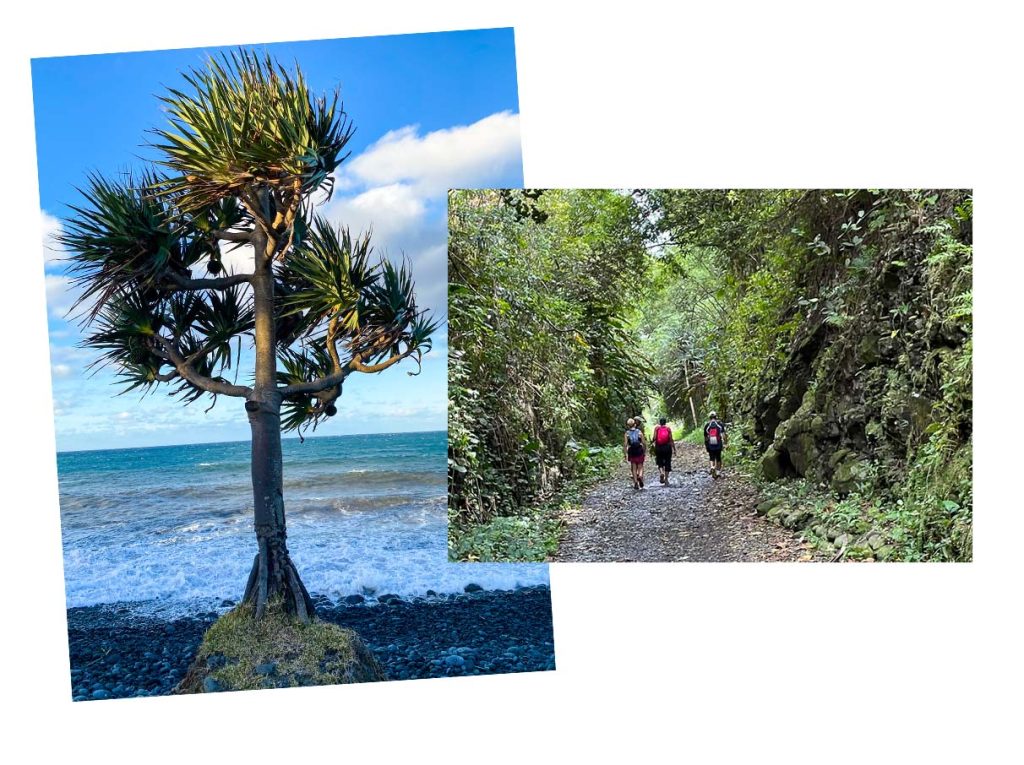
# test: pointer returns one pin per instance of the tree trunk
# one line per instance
(689, 391)
(273, 577)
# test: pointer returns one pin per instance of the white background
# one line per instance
(706, 663)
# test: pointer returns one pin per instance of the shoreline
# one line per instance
(116, 652)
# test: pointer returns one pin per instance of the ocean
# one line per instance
(172, 526)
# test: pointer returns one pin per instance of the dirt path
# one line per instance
(694, 518)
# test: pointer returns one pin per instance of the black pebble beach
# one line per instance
(117, 653)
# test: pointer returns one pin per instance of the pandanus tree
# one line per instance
(247, 156)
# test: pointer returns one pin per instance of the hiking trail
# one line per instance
(694, 518)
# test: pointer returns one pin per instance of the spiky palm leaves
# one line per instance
(132, 327)
(351, 313)
(128, 235)
(249, 122)
(368, 308)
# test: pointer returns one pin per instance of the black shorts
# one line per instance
(715, 454)
(663, 457)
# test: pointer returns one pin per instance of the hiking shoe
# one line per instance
(641, 483)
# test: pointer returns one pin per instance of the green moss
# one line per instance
(771, 465)
(240, 652)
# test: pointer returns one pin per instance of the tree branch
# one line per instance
(319, 384)
(185, 284)
(234, 236)
(200, 381)
(289, 218)
(332, 343)
(354, 364)
(359, 366)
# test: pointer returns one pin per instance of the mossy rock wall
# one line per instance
(867, 377)
(277, 651)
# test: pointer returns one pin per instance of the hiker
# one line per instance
(664, 449)
(714, 441)
(634, 450)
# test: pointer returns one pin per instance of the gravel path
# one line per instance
(694, 518)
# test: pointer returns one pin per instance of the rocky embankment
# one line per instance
(878, 362)
(117, 653)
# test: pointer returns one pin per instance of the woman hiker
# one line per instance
(634, 451)
(714, 441)
(664, 449)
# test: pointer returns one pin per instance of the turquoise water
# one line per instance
(366, 515)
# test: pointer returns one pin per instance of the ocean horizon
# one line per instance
(246, 441)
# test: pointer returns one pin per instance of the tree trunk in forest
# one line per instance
(689, 392)
(273, 576)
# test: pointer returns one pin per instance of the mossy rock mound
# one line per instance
(772, 465)
(848, 472)
(764, 508)
(239, 653)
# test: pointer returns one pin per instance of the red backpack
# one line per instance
(662, 435)
(713, 436)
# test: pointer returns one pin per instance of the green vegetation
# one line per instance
(532, 534)
(832, 329)
(540, 298)
(240, 652)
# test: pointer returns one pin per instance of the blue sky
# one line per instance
(432, 111)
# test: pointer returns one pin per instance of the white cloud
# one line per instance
(51, 228)
(61, 407)
(435, 258)
(397, 188)
(460, 156)
(407, 411)
(390, 211)
(430, 267)
(390, 409)
(397, 215)
(71, 355)
(235, 259)
(61, 370)
(59, 294)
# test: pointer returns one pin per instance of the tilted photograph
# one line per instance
(246, 281)
(710, 375)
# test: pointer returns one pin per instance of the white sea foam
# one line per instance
(400, 550)
(360, 522)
